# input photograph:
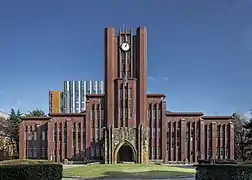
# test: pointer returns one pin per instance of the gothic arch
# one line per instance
(128, 143)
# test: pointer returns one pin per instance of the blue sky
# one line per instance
(199, 51)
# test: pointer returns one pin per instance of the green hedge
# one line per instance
(224, 172)
(31, 171)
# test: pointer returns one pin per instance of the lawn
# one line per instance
(127, 171)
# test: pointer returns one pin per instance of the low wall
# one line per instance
(224, 172)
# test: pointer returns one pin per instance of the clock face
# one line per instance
(125, 46)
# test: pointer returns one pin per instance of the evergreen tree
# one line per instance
(35, 113)
(13, 127)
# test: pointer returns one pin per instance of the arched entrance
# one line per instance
(125, 152)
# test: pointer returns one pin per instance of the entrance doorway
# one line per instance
(125, 154)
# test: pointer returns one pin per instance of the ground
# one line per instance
(133, 171)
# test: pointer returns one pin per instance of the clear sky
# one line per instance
(199, 51)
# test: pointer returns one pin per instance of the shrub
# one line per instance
(224, 171)
(225, 161)
(30, 170)
(25, 161)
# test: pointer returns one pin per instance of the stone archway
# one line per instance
(125, 152)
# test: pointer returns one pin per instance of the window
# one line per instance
(158, 114)
(43, 153)
(121, 113)
(154, 113)
(130, 93)
(209, 152)
(92, 151)
(153, 150)
(209, 132)
(126, 113)
(126, 93)
(35, 152)
(153, 132)
(55, 132)
(97, 150)
(35, 135)
(43, 135)
(102, 114)
(30, 153)
(122, 57)
(97, 132)
(121, 93)
(130, 113)
(159, 133)
(92, 114)
(149, 114)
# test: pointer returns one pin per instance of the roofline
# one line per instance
(94, 96)
(184, 113)
(36, 118)
(66, 114)
(156, 95)
(217, 117)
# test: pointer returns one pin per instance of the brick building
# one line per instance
(125, 123)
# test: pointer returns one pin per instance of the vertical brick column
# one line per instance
(214, 142)
(231, 140)
(50, 137)
(69, 139)
(81, 140)
(57, 143)
(88, 129)
(163, 131)
(62, 140)
(183, 140)
(202, 139)
(176, 140)
(190, 141)
(171, 151)
(226, 142)
(22, 141)
(195, 152)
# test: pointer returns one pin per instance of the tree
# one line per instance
(35, 113)
(241, 137)
(12, 127)
(248, 126)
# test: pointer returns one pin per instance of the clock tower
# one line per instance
(125, 93)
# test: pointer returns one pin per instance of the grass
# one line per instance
(25, 161)
(127, 171)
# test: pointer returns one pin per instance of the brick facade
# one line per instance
(127, 119)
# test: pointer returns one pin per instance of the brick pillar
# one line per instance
(202, 139)
(88, 128)
(50, 137)
(171, 148)
(183, 140)
(195, 152)
(69, 139)
(22, 141)
(226, 142)
(81, 140)
(231, 140)
(163, 131)
(214, 142)
(176, 140)
(62, 140)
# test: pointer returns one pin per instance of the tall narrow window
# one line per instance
(130, 93)
(55, 132)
